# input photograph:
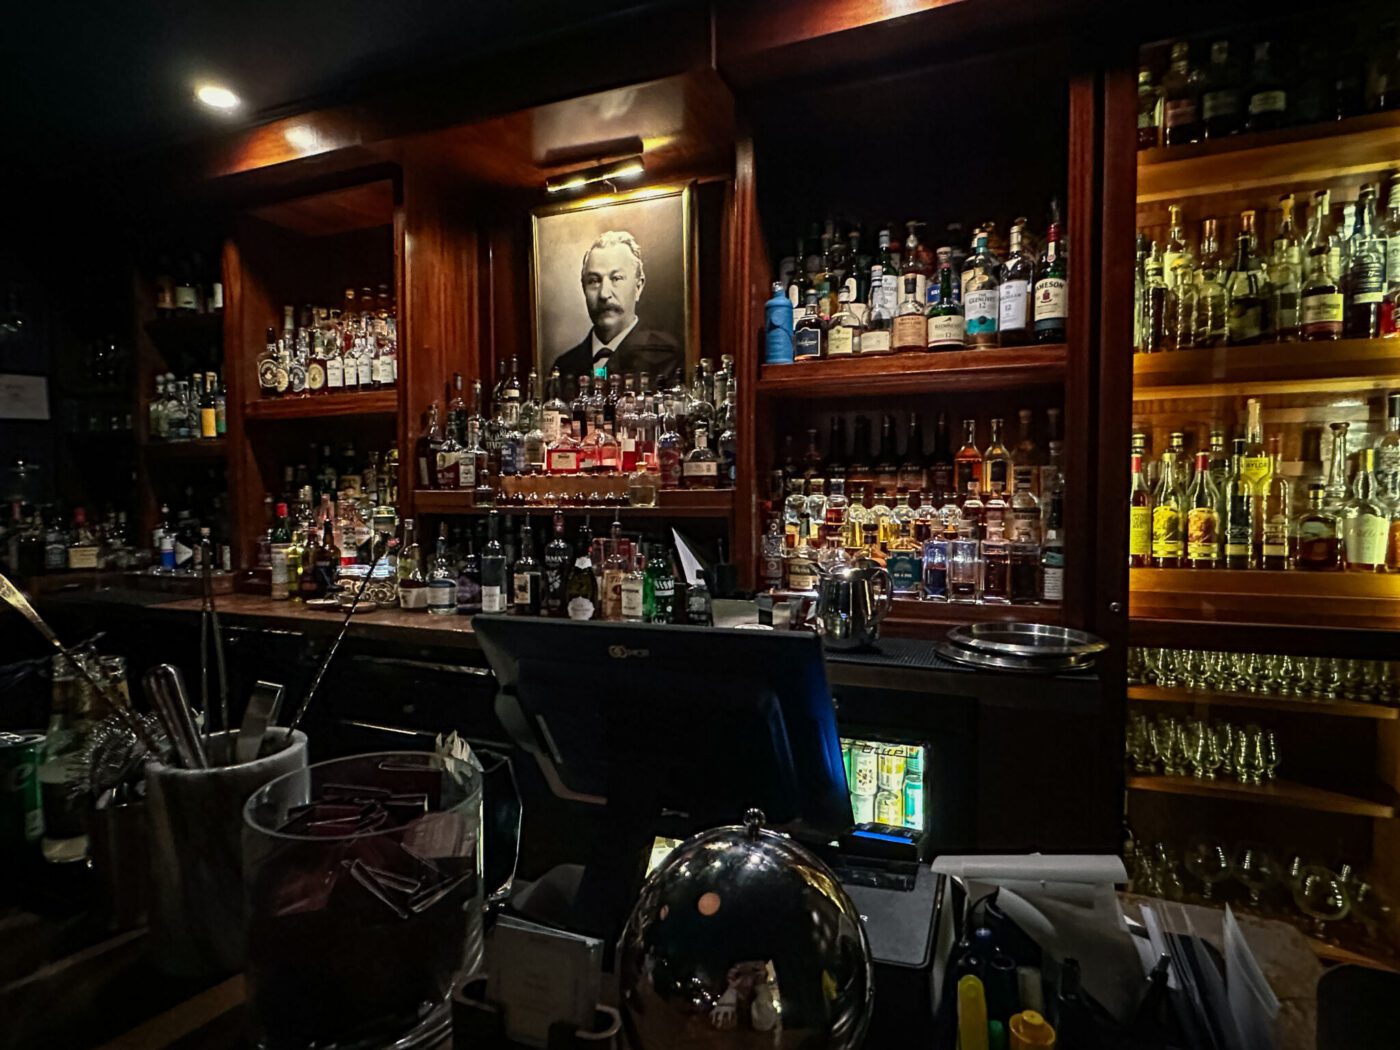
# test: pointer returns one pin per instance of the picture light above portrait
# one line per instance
(623, 168)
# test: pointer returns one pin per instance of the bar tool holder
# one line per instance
(478, 1024)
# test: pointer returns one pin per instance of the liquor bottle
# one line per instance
(996, 464)
(771, 549)
(843, 334)
(1239, 507)
(877, 338)
(1014, 316)
(794, 506)
(527, 579)
(1319, 535)
(1284, 273)
(800, 570)
(940, 466)
(469, 578)
(1221, 111)
(325, 563)
(268, 364)
(1219, 459)
(633, 602)
(1178, 264)
(981, 296)
(448, 465)
(967, 464)
(208, 421)
(614, 569)
(700, 470)
(1050, 296)
(1158, 303)
(944, 318)
(887, 462)
(1139, 517)
(904, 563)
(1212, 300)
(1202, 517)
(1390, 232)
(1245, 289)
(910, 331)
(1052, 551)
(1276, 511)
(581, 590)
(1025, 457)
(1181, 116)
(777, 328)
(809, 334)
(1168, 517)
(660, 591)
(1336, 488)
(1365, 276)
(494, 595)
(1321, 306)
(1149, 111)
(557, 558)
(1388, 450)
(1268, 97)
(1257, 465)
(912, 477)
(1367, 520)
(833, 522)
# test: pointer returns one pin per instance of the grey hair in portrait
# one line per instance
(607, 240)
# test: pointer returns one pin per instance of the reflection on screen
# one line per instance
(886, 781)
(660, 849)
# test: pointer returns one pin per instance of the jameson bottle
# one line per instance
(1050, 297)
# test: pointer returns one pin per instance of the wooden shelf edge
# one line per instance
(1265, 583)
(1230, 634)
(718, 503)
(372, 403)
(1328, 708)
(916, 373)
(1278, 793)
(1229, 371)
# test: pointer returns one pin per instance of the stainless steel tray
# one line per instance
(1013, 664)
(1025, 639)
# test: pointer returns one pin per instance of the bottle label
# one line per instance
(1166, 532)
(281, 379)
(466, 471)
(581, 608)
(1276, 537)
(1012, 299)
(1140, 531)
(875, 341)
(563, 461)
(335, 373)
(315, 376)
(448, 469)
(905, 569)
(267, 375)
(185, 297)
(524, 590)
(1219, 104)
(1051, 302)
(808, 342)
(910, 332)
(1202, 533)
(802, 574)
(1366, 536)
(1239, 527)
(493, 598)
(612, 594)
(376, 371)
(945, 330)
(772, 570)
(549, 426)
(1053, 578)
(208, 427)
(840, 341)
(86, 558)
(1392, 260)
(365, 372)
(632, 594)
(1256, 469)
(1322, 310)
(1179, 111)
(1268, 102)
(704, 468)
(980, 312)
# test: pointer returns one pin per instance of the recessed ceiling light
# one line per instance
(216, 96)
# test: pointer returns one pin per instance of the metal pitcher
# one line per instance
(851, 602)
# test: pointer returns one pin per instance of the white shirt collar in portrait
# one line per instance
(612, 344)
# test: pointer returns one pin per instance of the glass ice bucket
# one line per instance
(365, 899)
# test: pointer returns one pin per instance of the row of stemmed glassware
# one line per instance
(1312, 678)
(1205, 748)
(1317, 891)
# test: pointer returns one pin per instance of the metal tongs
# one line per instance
(209, 623)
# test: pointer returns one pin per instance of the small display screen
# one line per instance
(886, 781)
(660, 849)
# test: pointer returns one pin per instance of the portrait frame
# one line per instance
(562, 232)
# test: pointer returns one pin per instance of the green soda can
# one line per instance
(21, 811)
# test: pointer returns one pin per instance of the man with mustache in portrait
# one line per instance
(613, 279)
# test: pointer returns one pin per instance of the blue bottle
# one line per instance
(777, 328)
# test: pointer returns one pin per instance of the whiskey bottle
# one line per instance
(634, 591)
(967, 464)
(1167, 516)
(771, 550)
(912, 476)
(1202, 517)
(940, 466)
(1050, 296)
(809, 334)
(1158, 302)
(1319, 535)
(614, 569)
(1388, 450)
(800, 566)
(527, 580)
(1149, 111)
(981, 296)
(1276, 512)
(904, 563)
(843, 333)
(1365, 277)
(1239, 506)
(887, 463)
(701, 467)
(1367, 520)
(1268, 98)
(910, 331)
(996, 568)
(1245, 289)
(877, 338)
(1014, 293)
(1220, 101)
(1139, 518)
(1052, 552)
(996, 464)
(448, 466)
(1320, 310)
(944, 318)
(1181, 116)
(267, 366)
(494, 596)
(1285, 275)
(1211, 297)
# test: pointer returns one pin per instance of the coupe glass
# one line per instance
(1321, 895)
(1255, 869)
(1211, 758)
(1206, 860)
(1307, 677)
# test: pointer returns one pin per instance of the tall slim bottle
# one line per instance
(1245, 289)
(1285, 274)
(1212, 300)
(1202, 517)
(1168, 517)
(1367, 520)
(1239, 513)
(1276, 512)
(1320, 309)
(1365, 276)
(981, 296)
(1050, 296)
(1139, 518)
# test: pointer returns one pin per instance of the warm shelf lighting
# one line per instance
(626, 168)
(216, 96)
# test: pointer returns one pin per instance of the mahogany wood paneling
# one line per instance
(356, 207)
(1007, 368)
(745, 258)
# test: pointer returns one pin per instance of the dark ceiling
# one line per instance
(102, 79)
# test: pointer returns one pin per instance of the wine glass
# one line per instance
(1211, 758)
(1193, 739)
(1248, 761)
(1287, 676)
(1135, 666)
(1268, 754)
(1152, 666)
(1354, 680)
(1166, 745)
(1168, 874)
(1139, 744)
(1254, 869)
(1331, 678)
(1224, 734)
(1322, 896)
(1206, 860)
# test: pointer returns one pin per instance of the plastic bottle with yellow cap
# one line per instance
(972, 1014)
(1030, 1031)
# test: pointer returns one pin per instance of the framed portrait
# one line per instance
(612, 286)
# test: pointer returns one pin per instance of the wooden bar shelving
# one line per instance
(1273, 793)
(185, 451)
(908, 373)
(910, 613)
(1361, 600)
(1347, 365)
(1353, 149)
(717, 503)
(360, 403)
(1320, 708)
